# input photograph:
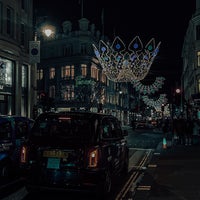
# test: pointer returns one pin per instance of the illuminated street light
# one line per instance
(48, 30)
(178, 91)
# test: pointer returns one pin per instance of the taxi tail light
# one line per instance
(23, 156)
(93, 157)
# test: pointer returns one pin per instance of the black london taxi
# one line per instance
(75, 151)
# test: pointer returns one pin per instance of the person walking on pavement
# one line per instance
(179, 129)
(189, 131)
(165, 127)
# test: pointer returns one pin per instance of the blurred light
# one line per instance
(178, 91)
(48, 32)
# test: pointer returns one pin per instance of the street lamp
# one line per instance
(48, 30)
(34, 53)
(178, 91)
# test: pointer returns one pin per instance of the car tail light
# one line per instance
(23, 156)
(93, 157)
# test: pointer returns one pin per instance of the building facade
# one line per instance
(16, 82)
(69, 77)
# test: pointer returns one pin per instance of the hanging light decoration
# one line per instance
(155, 103)
(149, 89)
(126, 65)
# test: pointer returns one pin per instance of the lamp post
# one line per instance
(34, 53)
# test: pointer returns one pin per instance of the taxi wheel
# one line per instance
(105, 188)
(126, 165)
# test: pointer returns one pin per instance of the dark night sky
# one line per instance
(165, 20)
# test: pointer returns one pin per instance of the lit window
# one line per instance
(52, 73)
(72, 72)
(94, 72)
(65, 72)
(40, 74)
(83, 70)
(103, 78)
(67, 92)
(24, 76)
(198, 58)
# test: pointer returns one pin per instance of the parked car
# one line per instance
(13, 131)
(75, 151)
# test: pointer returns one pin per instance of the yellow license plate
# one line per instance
(55, 154)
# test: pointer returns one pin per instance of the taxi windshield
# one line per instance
(62, 126)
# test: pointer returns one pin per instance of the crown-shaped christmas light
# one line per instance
(121, 64)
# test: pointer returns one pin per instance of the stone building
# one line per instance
(69, 77)
(16, 81)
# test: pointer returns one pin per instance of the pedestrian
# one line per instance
(179, 129)
(165, 127)
(133, 124)
(189, 131)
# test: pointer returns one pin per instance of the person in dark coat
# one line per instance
(180, 129)
(165, 127)
(189, 131)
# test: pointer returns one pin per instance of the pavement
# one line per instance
(172, 174)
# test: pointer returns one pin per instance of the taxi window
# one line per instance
(5, 130)
(111, 128)
(21, 129)
(107, 128)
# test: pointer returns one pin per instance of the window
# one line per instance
(111, 128)
(198, 32)
(52, 73)
(39, 74)
(198, 58)
(6, 72)
(1, 17)
(23, 4)
(83, 70)
(72, 72)
(67, 92)
(24, 76)
(22, 39)
(65, 72)
(5, 130)
(94, 72)
(24, 97)
(83, 49)
(52, 91)
(107, 128)
(103, 77)
(10, 21)
(21, 129)
(198, 85)
(68, 50)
